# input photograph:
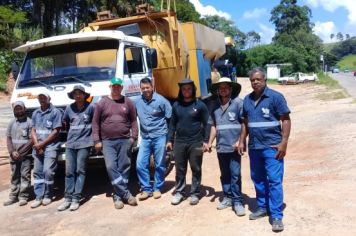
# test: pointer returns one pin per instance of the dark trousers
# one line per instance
(182, 153)
(117, 155)
(76, 163)
(20, 179)
(230, 168)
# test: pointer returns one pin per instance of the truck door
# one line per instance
(135, 69)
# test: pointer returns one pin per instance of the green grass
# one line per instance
(325, 79)
(328, 96)
(272, 81)
(329, 46)
(347, 61)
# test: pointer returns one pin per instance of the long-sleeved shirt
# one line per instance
(187, 120)
(79, 125)
(19, 137)
(113, 119)
(153, 115)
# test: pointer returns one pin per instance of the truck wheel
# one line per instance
(169, 165)
(284, 82)
(306, 81)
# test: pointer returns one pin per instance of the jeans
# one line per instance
(45, 167)
(267, 175)
(182, 153)
(76, 163)
(117, 155)
(20, 179)
(230, 168)
(148, 146)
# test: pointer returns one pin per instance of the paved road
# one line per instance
(5, 116)
(346, 80)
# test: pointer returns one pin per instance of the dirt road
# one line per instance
(319, 185)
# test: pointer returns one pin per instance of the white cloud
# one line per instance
(324, 30)
(267, 33)
(332, 5)
(208, 10)
(256, 13)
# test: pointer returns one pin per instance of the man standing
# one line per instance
(188, 115)
(77, 117)
(114, 116)
(154, 111)
(264, 110)
(46, 125)
(19, 145)
(225, 120)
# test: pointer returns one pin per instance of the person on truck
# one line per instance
(225, 120)
(46, 125)
(188, 115)
(264, 110)
(153, 111)
(78, 117)
(19, 146)
(114, 117)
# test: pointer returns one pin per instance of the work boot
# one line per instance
(64, 206)
(144, 196)
(36, 204)
(132, 201)
(177, 199)
(74, 206)
(225, 203)
(194, 200)
(119, 204)
(239, 209)
(258, 214)
(157, 194)
(22, 202)
(9, 202)
(46, 201)
(277, 225)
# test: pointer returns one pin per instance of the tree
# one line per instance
(332, 36)
(339, 36)
(288, 17)
(347, 36)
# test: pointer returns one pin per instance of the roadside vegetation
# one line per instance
(347, 61)
(334, 90)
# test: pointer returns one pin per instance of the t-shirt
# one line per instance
(114, 119)
(186, 122)
(79, 125)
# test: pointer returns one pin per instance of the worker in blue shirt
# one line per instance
(46, 125)
(225, 120)
(153, 111)
(77, 117)
(267, 122)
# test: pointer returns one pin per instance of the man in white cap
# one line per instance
(225, 120)
(19, 145)
(77, 117)
(46, 124)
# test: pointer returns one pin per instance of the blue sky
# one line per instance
(329, 16)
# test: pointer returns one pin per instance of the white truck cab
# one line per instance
(89, 59)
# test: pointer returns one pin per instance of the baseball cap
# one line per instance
(44, 92)
(116, 81)
(19, 103)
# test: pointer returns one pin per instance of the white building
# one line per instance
(274, 70)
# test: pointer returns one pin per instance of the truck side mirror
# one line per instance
(151, 55)
(15, 69)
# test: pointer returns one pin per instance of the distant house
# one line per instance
(274, 70)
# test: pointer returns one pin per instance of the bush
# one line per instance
(6, 59)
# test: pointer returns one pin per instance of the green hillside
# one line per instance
(347, 61)
(329, 46)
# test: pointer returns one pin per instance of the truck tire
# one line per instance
(306, 81)
(169, 165)
(284, 82)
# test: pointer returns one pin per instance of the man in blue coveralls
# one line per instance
(225, 120)
(264, 111)
(77, 117)
(154, 111)
(46, 124)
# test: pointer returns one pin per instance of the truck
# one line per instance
(298, 77)
(150, 43)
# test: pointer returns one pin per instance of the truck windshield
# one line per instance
(84, 61)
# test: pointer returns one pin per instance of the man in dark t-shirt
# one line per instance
(188, 115)
(114, 117)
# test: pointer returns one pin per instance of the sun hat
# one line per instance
(236, 87)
